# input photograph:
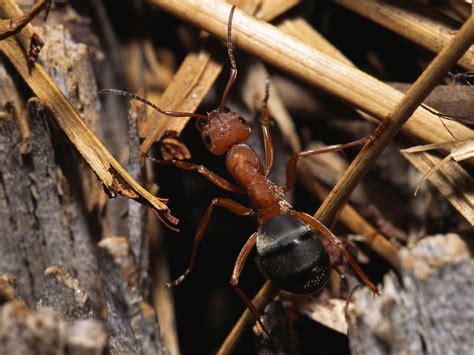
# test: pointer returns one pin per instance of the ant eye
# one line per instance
(226, 109)
(200, 122)
(242, 120)
(207, 140)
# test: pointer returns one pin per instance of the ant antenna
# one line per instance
(233, 66)
(267, 91)
(151, 104)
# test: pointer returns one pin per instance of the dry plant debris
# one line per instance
(10, 27)
(85, 263)
(412, 21)
(290, 55)
(197, 74)
(446, 174)
(110, 173)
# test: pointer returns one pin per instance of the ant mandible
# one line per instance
(288, 242)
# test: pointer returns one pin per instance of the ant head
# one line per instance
(220, 130)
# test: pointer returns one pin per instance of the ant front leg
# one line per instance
(201, 169)
(234, 280)
(325, 232)
(265, 124)
(232, 206)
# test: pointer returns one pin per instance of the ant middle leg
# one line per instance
(234, 280)
(201, 169)
(232, 206)
(325, 232)
(291, 166)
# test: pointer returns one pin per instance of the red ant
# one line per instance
(288, 242)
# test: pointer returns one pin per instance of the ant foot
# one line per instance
(179, 280)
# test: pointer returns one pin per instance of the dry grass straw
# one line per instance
(11, 26)
(197, 74)
(111, 174)
(285, 52)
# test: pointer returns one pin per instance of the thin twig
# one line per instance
(10, 27)
(402, 112)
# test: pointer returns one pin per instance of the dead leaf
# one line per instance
(446, 174)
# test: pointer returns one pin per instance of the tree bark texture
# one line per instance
(429, 309)
(60, 291)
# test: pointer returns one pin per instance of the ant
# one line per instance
(288, 242)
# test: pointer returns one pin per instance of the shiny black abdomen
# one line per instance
(292, 255)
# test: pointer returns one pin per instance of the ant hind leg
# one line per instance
(325, 232)
(234, 280)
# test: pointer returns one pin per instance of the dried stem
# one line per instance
(10, 27)
(266, 294)
(197, 74)
(272, 45)
(358, 224)
(414, 97)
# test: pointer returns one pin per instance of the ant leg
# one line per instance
(291, 167)
(321, 228)
(232, 206)
(201, 169)
(233, 66)
(341, 275)
(348, 302)
(234, 280)
(267, 138)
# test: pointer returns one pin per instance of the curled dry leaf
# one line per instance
(460, 150)
(111, 174)
(446, 174)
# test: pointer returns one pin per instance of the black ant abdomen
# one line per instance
(292, 255)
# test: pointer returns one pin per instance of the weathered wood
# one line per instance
(139, 239)
(131, 321)
(284, 340)
(64, 294)
(39, 213)
(427, 311)
(41, 331)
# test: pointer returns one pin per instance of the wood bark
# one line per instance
(57, 288)
(427, 310)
